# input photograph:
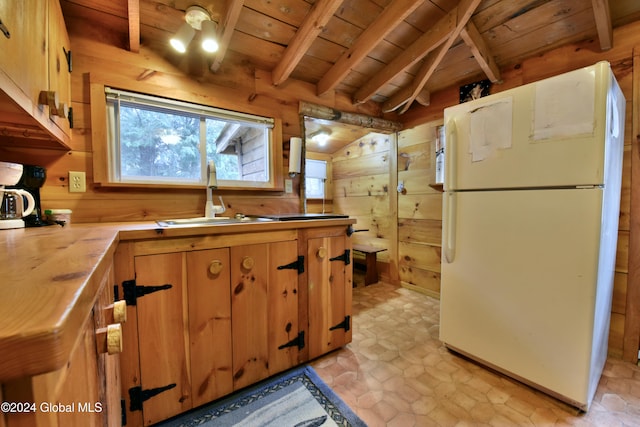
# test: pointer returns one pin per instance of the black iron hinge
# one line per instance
(297, 341)
(295, 265)
(346, 324)
(70, 116)
(346, 257)
(67, 55)
(123, 411)
(5, 30)
(132, 292)
(137, 395)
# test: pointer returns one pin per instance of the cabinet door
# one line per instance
(329, 281)
(163, 336)
(284, 338)
(59, 75)
(24, 57)
(210, 324)
(249, 315)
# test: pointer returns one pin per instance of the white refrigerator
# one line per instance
(530, 226)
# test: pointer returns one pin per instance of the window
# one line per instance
(315, 176)
(154, 140)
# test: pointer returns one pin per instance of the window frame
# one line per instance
(309, 175)
(103, 156)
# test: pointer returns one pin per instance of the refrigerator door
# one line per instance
(548, 133)
(519, 284)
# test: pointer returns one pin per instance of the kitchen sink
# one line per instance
(211, 221)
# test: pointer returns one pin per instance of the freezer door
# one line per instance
(519, 283)
(548, 133)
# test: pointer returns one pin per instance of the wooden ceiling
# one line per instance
(393, 52)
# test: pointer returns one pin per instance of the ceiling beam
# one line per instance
(481, 52)
(225, 31)
(401, 97)
(602, 15)
(133, 15)
(388, 20)
(431, 39)
(310, 28)
(464, 10)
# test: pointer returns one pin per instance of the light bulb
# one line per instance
(209, 42)
(182, 38)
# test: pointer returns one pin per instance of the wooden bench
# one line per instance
(370, 252)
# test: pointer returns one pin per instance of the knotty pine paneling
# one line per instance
(424, 281)
(371, 185)
(424, 231)
(419, 209)
(361, 189)
(370, 164)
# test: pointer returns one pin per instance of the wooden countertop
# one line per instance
(51, 277)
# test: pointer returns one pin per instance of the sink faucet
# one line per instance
(210, 210)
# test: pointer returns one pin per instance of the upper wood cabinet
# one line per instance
(34, 71)
(59, 68)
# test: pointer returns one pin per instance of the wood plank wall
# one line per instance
(419, 210)
(422, 120)
(361, 172)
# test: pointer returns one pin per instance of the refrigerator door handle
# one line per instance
(450, 152)
(449, 235)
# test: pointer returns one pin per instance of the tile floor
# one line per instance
(397, 373)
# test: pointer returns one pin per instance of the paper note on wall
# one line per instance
(564, 106)
(490, 128)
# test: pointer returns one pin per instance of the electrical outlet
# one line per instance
(288, 186)
(77, 182)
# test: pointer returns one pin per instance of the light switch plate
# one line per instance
(288, 186)
(77, 182)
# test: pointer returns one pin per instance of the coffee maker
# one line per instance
(13, 207)
(32, 179)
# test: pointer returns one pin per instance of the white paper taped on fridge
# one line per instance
(564, 106)
(490, 128)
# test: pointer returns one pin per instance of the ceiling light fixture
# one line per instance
(321, 136)
(197, 18)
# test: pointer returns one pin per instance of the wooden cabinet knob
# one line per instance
(109, 339)
(48, 97)
(322, 252)
(116, 312)
(120, 311)
(248, 263)
(215, 267)
(62, 110)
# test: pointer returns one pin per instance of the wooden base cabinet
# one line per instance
(208, 321)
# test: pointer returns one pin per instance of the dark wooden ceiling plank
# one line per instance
(431, 39)
(225, 31)
(313, 24)
(602, 15)
(393, 14)
(480, 51)
(133, 12)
